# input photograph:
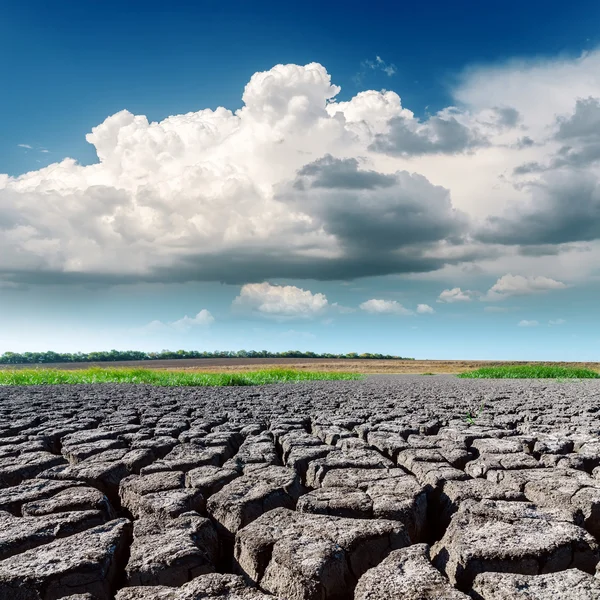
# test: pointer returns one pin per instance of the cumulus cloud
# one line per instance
(202, 319)
(455, 295)
(556, 322)
(564, 207)
(385, 307)
(425, 309)
(525, 323)
(280, 301)
(216, 195)
(298, 185)
(517, 285)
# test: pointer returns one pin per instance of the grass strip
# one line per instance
(530, 372)
(164, 378)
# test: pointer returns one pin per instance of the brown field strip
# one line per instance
(308, 364)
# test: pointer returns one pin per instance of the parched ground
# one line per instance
(311, 364)
(389, 488)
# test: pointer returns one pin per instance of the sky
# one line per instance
(417, 180)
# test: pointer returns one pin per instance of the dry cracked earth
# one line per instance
(373, 490)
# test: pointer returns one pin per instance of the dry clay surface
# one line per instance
(372, 490)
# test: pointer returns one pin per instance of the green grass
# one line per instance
(530, 372)
(164, 378)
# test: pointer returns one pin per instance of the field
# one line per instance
(110, 492)
(165, 378)
(217, 365)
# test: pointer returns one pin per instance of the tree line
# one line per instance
(16, 358)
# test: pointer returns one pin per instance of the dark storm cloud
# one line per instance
(369, 211)
(507, 116)
(529, 167)
(577, 158)
(565, 207)
(580, 138)
(524, 142)
(383, 224)
(549, 249)
(583, 124)
(328, 172)
(241, 267)
(437, 135)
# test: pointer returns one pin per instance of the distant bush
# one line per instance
(33, 358)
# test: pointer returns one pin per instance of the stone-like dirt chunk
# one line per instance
(83, 563)
(209, 480)
(13, 498)
(572, 584)
(132, 488)
(406, 574)
(338, 502)
(172, 551)
(313, 557)
(511, 537)
(20, 534)
(170, 503)
(71, 499)
(359, 458)
(15, 469)
(206, 587)
(249, 496)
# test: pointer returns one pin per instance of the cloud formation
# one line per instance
(455, 295)
(280, 301)
(525, 323)
(385, 307)
(440, 134)
(517, 285)
(374, 65)
(297, 185)
(202, 319)
(425, 309)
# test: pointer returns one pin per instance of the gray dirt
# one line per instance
(379, 489)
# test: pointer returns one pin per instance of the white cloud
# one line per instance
(202, 319)
(455, 295)
(425, 309)
(517, 285)
(201, 196)
(26, 146)
(385, 307)
(556, 322)
(217, 195)
(525, 323)
(280, 301)
(375, 65)
(389, 69)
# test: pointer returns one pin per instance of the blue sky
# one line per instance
(415, 180)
